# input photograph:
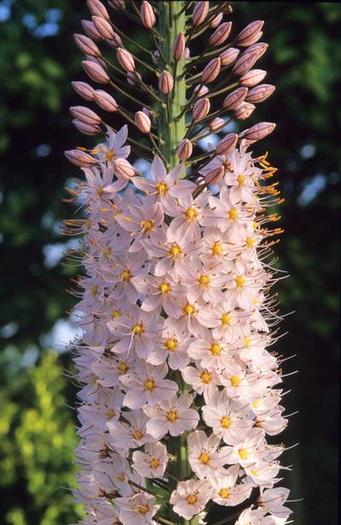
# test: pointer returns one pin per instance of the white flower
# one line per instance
(152, 462)
(190, 498)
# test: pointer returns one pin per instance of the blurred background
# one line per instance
(37, 426)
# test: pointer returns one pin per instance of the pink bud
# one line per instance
(199, 13)
(96, 8)
(133, 78)
(86, 45)
(90, 30)
(216, 124)
(220, 34)
(201, 109)
(179, 46)
(260, 93)
(103, 27)
(84, 90)
(248, 58)
(185, 149)
(258, 131)
(95, 71)
(143, 122)
(85, 115)
(123, 169)
(200, 90)
(215, 175)
(105, 101)
(125, 59)
(166, 82)
(118, 4)
(211, 71)
(116, 41)
(80, 158)
(87, 129)
(216, 20)
(147, 15)
(250, 34)
(229, 56)
(226, 145)
(252, 77)
(234, 99)
(244, 111)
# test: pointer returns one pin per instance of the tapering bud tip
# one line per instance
(211, 71)
(260, 93)
(234, 99)
(105, 101)
(86, 115)
(252, 77)
(86, 129)
(90, 30)
(166, 82)
(220, 34)
(216, 20)
(86, 45)
(258, 131)
(229, 56)
(83, 89)
(244, 111)
(200, 109)
(179, 46)
(95, 71)
(80, 158)
(126, 60)
(200, 12)
(103, 27)
(227, 144)
(248, 58)
(147, 15)
(143, 122)
(185, 149)
(216, 124)
(250, 34)
(96, 8)
(123, 169)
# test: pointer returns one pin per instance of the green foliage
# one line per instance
(36, 429)
(37, 440)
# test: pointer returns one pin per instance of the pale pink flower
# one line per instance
(136, 510)
(226, 491)
(173, 417)
(205, 456)
(209, 352)
(130, 433)
(272, 501)
(190, 498)
(152, 462)
(114, 146)
(249, 450)
(172, 346)
(202, 380)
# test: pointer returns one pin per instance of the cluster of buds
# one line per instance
(180, 391)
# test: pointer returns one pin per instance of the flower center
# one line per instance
(206, 377)
(215, 349)
(147, 225)
(149, 384)
(191, 214)
(175, 251)
(225, 319)
(137, 434)
(94, 290)
(172, 416)
(191, 499)
(110, 413)
(240, 281)
(110, 155)
(189, 309)
(155, 463)
(143, 509)
(164, 288)
(204, 280)
(126, 275)
(235, 380)
(247, 341)
(250, 242)
(204, 458)
(255, 403)
(241, 180)
(232, 214)
(243, 453)
(123, 367)
(115, 313)
(225, 422)
(224, 493)
(171, 344)
(138, 329)
(162, 188)
(216, 248)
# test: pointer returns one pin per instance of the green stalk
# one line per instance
(172, 18)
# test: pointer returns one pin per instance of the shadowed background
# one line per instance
(37, 61)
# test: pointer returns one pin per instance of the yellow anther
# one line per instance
(100, 192)
(216, 248)
(250, 242)
(191, 499)
(110, 155)
(143, 509)
(240, 281)
(123, 367)
(204, 280)
(232, 214)
(138, 329)
(126, 275)
(147, 225)
(255, 403)
(204, 458)
(137, 434)
(189, 309)
(164, 288)
(191, 214)
(215, 349)
(225, 422)
(171, 344)
(94, 289)
(110, 413)
(175, 251)
(247, 341)
(243, 453)
(224, 493)
(241, 180)
(115, 313)
(172, 416)
(254, 472)
(206, 377)
(162, 188)
(106, 252)
(155, 463)
(225, 319)
(149, 384)
(235, 380)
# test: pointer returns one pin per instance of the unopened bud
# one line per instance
(105, 101)
(85, 115)
(215, 175)
(103, 27)
(143, 122)
(211, 71)
(220, 34)
(90, 29)
(80, 158)
(244, 111)
(125, 59)
(216, 20)
(226, 145)
(84, 90)
(250, 34)
(258, 131)
(87, 129)
(166, 82)
(185, 149)
(147, 15)
(95, 71)
(179, 46)
(133, 78)
(117, 4)
(216, 124)
(248, 58)
(234, 99)
(260, 93)
(149, 112)
(123, 169)
(96, 8)
(86, 45)
(201, 109)
(252, 77)
(200, 90)
(229, 56)
(200, 12)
